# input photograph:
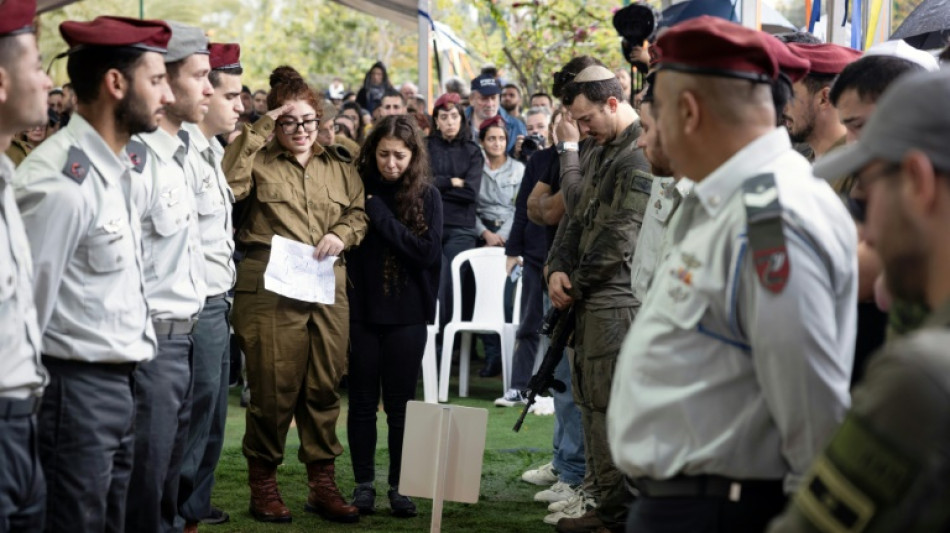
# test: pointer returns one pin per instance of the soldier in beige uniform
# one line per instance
(296, 351)
(74, 193)
(22, 377)
(212, 336)
(886, 469)
(174, 282)
(736, 369)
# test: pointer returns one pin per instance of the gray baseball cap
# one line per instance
(186, 40)
(914, 113)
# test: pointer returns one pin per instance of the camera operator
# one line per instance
(537, 120)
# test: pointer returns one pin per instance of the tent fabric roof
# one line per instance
(402, 12)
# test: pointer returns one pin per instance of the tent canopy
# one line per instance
(402, 12)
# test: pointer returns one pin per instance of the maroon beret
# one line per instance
(149, 35)
(716, 47)
(16, 17)
(495, 121)
(826, 58)
(794, 67)
(447, 98)
(225, 55)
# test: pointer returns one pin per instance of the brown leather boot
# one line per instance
(266, 503)
(325, 498)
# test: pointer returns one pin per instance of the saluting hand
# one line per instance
(285, 109)
(329, 245)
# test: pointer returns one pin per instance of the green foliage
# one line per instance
(320, 38)
(536, 37)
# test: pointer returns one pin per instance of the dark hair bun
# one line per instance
(285, 75)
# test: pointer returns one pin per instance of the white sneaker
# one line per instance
(511, 398)
(577, 508)
(544, 476)
(558, 506)
(558, 492)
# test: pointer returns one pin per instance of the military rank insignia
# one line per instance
(766, 231)
(77, 165)
(137, 154)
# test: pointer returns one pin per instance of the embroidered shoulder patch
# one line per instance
(77, 165)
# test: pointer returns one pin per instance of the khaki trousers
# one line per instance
(295, 353)
(598, 336)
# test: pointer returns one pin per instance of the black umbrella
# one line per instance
(927, 27)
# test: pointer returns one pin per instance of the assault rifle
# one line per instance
(558, 325)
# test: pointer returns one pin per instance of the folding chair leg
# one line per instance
(448, 338)
(430, 376)
(465, 359)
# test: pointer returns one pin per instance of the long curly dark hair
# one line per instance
(410, 205)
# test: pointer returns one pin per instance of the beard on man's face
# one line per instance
(133, 116)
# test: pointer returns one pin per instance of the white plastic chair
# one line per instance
(430, 374)
(488, 267)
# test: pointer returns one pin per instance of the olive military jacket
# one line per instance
(595, 248)
(887, 469)
(298, 203)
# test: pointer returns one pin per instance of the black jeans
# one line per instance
(386, 358)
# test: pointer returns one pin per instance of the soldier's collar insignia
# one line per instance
(185, 138)
(137, 154)
(77, 165)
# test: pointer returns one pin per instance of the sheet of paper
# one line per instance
(293, 272)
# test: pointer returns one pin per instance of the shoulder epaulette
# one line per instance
(77, 165)
(138, 154)
(766, 231)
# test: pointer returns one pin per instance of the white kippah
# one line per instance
(594, 73)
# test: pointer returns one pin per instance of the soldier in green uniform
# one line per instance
(886, 468)
(589, 267)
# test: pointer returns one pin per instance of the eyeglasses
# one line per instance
(289, 127)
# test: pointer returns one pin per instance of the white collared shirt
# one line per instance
(719, 375)
(86, 247)
(214, 199)
(21, 372)
(171, 239)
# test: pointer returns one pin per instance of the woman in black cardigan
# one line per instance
(394, 281)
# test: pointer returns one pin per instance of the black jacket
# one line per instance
(412, 301)
(456, 159)
(528, 239)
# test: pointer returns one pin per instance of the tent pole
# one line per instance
(425, 24)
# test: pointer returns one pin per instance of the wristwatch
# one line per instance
(566, 147)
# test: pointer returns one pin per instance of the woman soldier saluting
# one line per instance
(296, 351)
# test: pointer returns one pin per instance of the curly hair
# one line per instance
(410, 206)
(286, 84)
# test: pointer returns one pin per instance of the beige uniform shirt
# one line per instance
(719, 375)
(21, 373)
(171, 238)
(213, 199)
(85, 236)
(298, 203)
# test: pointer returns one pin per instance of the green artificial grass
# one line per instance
(505, 502)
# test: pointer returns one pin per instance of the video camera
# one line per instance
(636, 24)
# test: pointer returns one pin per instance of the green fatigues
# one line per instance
(886, 469)
(296, 351)
(596, 249)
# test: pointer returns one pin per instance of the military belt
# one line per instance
(703, 486)
(19, 407)
(221, 296)
(167, 328)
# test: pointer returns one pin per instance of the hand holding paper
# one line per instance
(294, 271)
